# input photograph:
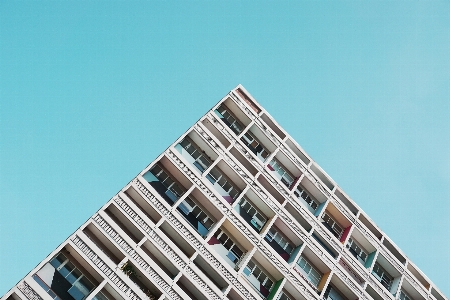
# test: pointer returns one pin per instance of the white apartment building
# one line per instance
(234, 209)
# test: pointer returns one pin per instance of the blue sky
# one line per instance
(92, 92)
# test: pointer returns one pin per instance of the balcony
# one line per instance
(357, 251)
(227, 248)
(229, 119)
(333, 293)
(195, 215)
(141, 281)
(309, 272)
(255, 146)
(306, 199)
(259, 278)
(164, 184)
(64, 278)
(251, 214)
(223, 185)
(404, 296)
(284, 170)
(382, 276)
(199, 157)
(283, 296)
(332, 225)
(280, 243)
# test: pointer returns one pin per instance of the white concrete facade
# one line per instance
(179, 229)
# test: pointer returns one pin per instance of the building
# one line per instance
(234, 209)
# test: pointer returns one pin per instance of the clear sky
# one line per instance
(92, 92)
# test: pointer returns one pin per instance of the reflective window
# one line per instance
(257, 220)
(255, 146)
(312, 275)
(332, 225)
(301, 194)
(225, 114)
(356, 250)
(382, 276)
(283, 175)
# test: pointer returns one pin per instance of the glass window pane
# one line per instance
(222, 181)
(223, 238)
(208, 223)
(57, 261)
(66, 269)
(156, 170)
(228, 244)
(233, 193)
(177, 190)
(73, 276)
(256, 272)
(189, 201)
(76, 293)
(185, 143)
(100, 296)
(268, 284)
(237, 251)
(227, 186)
(85, 284)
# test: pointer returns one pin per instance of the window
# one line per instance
(78, 285)
(216, 177)
(356, 251)
(333, 294)
(312, 275)
(45, 287)
(234, 252)
(283, 175)
(229, 119)
(100, 296)
(255, 146)
(201, 160)
(332, 225)
(283, 296)
(171, 189)
(404, 295)
(301, 194)
(188, 206)
(274, 235)
(257, 219)
(253, 270)
(382, 276)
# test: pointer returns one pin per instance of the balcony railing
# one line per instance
(258, 278)
(193, 154)
(332, 225)
(227, 117)
(165, 185)
(305, 198)
(356, 251)
(279, 172)
(61, 279)
(255, 146)
(223, 185)
(309, 272)
(249, 213)
(226, 248)
(382, 276)
(195, 216)
(333, 294)
(404, 296)
(283, 296)
(279, 243)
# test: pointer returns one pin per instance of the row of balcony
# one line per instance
(248, 211)
(232, 253)
(263, 148)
